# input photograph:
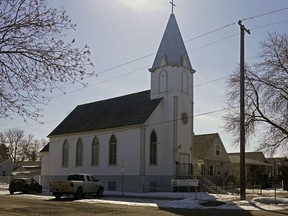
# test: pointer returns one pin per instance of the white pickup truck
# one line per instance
(77, 185)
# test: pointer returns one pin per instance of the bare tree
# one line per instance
(30, 149)
(266, 96)
(34, 58)
(14, 138)
(21, 147)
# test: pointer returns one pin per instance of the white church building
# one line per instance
(144, 137)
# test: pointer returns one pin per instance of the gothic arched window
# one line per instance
(163, 79)
(95, 152)
(112, 150)
(153, 148)
(79, 153)
(65, 154)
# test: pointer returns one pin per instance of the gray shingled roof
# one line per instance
(121, 111)
(172, 46)
(235, 159)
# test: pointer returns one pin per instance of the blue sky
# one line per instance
(121, 31)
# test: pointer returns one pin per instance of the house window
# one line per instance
(112, 150)
(217, 150)
(95, 152)
(79, 153)
(153, 148)
(65, 154)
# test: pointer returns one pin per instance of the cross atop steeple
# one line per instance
(173, 5)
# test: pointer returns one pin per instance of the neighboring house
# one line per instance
(211, 156)
(256, 167)
(143, 135)
(7, 167)
(277, 164)
(279, 170)
(28, 169)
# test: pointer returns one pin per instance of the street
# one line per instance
(19, 205)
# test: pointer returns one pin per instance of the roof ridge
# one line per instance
(117, 97)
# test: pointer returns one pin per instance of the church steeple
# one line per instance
(172, 50)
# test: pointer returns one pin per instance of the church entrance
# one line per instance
(184, 166)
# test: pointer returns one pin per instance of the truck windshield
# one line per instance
(75, 178)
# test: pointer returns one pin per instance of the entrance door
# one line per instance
(184, 164)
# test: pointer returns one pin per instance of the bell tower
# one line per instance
(172, 80)
(171, 69)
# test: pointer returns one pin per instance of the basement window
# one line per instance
(112, 186)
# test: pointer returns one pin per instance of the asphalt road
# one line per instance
(16, 205)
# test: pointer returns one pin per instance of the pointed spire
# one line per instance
(172, 50)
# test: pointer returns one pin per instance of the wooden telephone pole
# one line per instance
(242, 113)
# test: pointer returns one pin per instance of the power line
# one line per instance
(209, 44)
(257, 27)
(264, 14)
(121, 130)
(210, 32)
(202, 35)
(212, 81)
(99, 83)
(275, 23)
(126, 63)
(157, 123)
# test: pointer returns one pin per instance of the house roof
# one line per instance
(255, 156)
(235, 159)
(5, 161)
(172, 47)
(121, 111)
(202, 144)
(46, 148)
(29, 164)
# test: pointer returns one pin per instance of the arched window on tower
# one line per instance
(153, 148)
(95, 152)
(163, 79)
(112, 150)
(79, 153)
(65, 154)
(185, 82)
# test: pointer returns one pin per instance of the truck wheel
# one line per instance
(79, 193)
(100, 192)
(39, 190)
(57, 195)
(26, 190)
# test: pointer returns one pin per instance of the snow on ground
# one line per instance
(196, 200)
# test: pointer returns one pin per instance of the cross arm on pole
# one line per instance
(243, 27)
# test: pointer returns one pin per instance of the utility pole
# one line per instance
(242, 113)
